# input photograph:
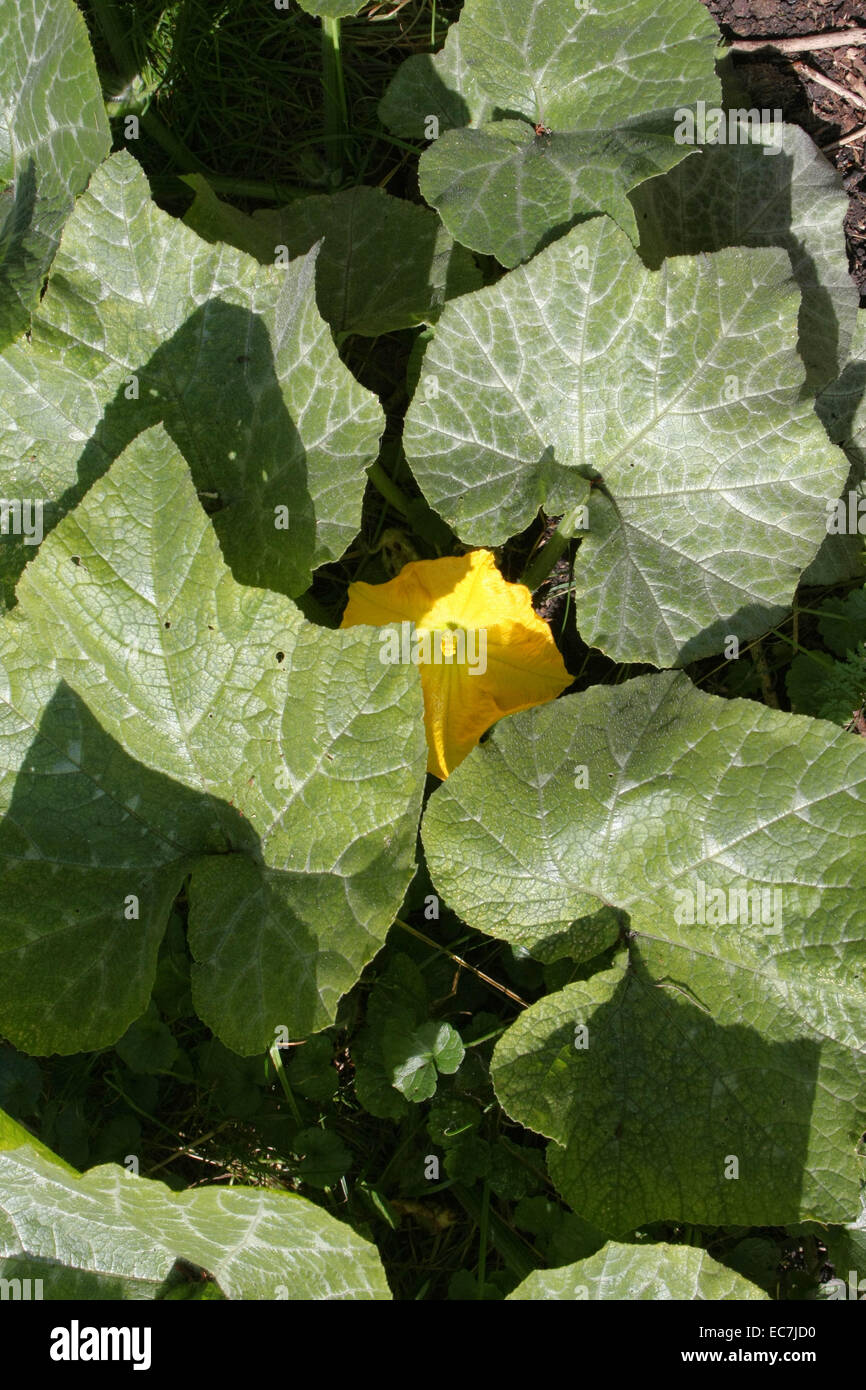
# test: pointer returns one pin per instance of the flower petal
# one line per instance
(512, 661)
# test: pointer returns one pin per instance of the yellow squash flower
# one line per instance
(482, 651)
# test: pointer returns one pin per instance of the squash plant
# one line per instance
(654, 344)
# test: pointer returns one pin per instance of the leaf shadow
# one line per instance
(839, 556)
(214, 386)
(697, 207)
(663, 1123)
(91, 835)
(18, 261)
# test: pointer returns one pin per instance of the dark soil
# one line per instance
(774, 79)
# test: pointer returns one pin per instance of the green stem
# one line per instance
(284, 1082)
(256, 188)
(398, 1153)
(544, 559)
(519, 1256)
(114, 34)
(822, 613)
(485, 1037)
(389, 489)
(819, 658)
(336, 111)
(139, 1111)
(183, 157)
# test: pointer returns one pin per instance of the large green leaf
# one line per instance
(656, 1272)
(738, 195)
(606, 83)
(688, 785)
(710, 1091)
(842, 405)
(507, 192)
(145, 322)
(846, 1250)
(384, 263)
(158, 720)
(677, 392)
(737, 1035)
(751, 193)
(842, 408)
(440, 88)
(53, 133)
(110, 1235)
(14, 1136)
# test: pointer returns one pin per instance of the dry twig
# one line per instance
(811, 75)
(806, 43)
(851, 138)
